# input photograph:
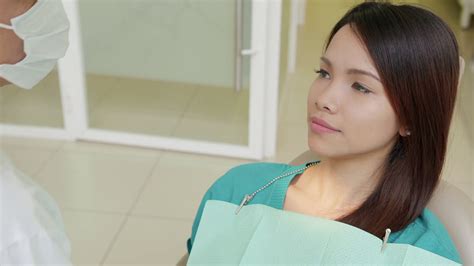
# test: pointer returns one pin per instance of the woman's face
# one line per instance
(349, 96)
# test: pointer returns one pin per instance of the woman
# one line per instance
(378, 116)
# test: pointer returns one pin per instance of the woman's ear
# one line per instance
(404, 132)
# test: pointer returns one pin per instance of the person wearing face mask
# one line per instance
(33, 36)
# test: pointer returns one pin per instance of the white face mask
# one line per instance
(44, 30)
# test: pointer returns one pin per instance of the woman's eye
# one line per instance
(322, 73)
(361, 88)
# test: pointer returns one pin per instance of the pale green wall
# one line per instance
(173, 40)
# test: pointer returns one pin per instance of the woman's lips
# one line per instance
(317, 128)
(320, 126)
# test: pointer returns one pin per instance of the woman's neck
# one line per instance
(340, 184)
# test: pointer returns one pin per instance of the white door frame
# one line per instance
(297, 18)
(271, 100)
(266, 21)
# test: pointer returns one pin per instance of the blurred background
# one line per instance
(169, 69)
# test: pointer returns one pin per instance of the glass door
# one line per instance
(180, 75)
(37, 112)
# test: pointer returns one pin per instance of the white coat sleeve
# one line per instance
(44, 248)
(31, 227)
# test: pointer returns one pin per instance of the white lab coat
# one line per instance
(32, 231)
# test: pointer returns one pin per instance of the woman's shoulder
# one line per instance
(234, 184)
(429, 233)
(246, 178)
(256, 168)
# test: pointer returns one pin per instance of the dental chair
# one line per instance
(450, 204)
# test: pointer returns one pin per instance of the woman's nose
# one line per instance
(328, 98)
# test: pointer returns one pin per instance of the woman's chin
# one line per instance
(314, 147)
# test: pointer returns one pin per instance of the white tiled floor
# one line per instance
(148, 241)
(92, 234)
(96, 181)
(131, 206)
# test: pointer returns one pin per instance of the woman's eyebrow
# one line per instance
(352, 70)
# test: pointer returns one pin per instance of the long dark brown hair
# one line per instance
(417, 58)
